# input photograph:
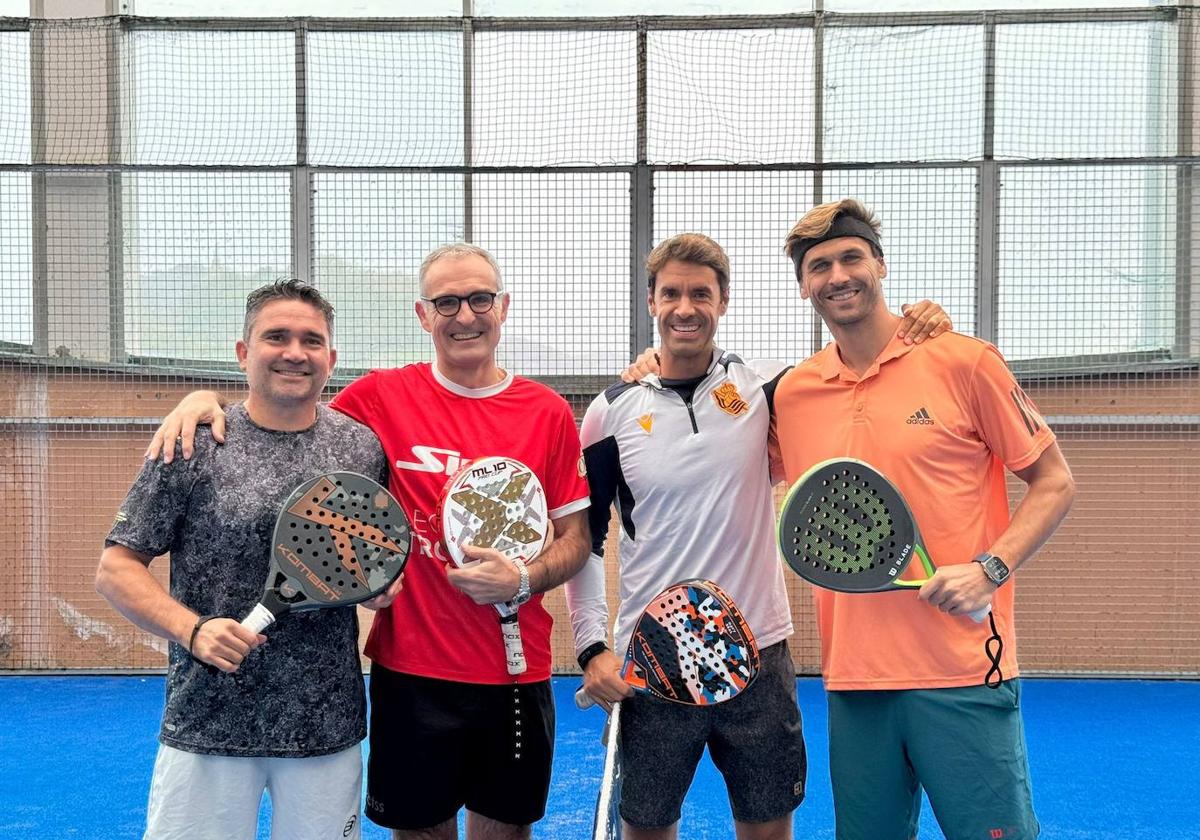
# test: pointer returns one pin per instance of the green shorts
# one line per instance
(964, 746)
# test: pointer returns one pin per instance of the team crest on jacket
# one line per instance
(646, 421)
(729, 400)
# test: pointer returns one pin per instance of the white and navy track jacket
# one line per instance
(693, 492)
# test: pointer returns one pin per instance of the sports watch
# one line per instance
(523, 593)
(993, 567)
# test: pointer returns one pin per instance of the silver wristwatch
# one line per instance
(523, 593)
(995, 568)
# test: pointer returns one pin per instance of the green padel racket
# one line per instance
(844, 526)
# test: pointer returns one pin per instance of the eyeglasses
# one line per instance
(448, 305)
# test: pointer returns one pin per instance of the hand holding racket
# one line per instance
(340, 539)
(496, 503)
(844, 526)
(691, 645)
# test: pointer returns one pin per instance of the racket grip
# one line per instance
(979, 615)
(260, 619)
(583, 700)
(514, 650)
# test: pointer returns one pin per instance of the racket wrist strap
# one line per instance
(589, 653)
(200, 622)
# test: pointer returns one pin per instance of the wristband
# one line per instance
(199, 622)
(589, 653)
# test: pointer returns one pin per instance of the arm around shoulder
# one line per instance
(196, 408)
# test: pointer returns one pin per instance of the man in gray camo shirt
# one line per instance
(243, 716)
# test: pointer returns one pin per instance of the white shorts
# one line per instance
(217, 797)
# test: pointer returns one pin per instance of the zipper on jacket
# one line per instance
(692, 416)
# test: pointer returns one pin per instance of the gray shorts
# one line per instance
(755, 740)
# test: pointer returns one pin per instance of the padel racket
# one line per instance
(340, 538)
(497, 503)
(844, 526)
(691, 645)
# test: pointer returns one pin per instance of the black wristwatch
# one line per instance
(589, 653)
(995, 568)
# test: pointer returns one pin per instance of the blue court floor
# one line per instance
(1111, 759)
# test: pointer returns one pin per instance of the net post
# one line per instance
(468, 90)
(301, 172)
(816, 325)
(988, 199)
(641, 215)
(1187, 301)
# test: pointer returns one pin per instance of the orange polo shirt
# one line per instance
(942, 420)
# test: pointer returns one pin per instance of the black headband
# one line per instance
(843, 225)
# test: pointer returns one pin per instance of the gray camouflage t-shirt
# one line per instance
(301, 694)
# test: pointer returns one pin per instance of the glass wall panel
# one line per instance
(730, 96)
(1087, 260)
(196, 243)
(385, 99)
(371, 230)
(562, 241)
(210, 97)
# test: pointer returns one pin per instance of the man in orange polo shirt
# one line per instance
(905, 675)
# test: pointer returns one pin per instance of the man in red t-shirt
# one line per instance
(449, 726)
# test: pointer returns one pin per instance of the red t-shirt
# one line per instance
(429, 426)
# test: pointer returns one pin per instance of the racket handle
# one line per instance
(583, 700)
(979, 615)
(514, 650)
(260, 619)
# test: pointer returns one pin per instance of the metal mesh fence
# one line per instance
(1034, 172)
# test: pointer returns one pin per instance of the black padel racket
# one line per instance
(844, 526)
(691, 645)
(340, 538)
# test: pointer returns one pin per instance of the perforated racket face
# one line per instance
(844, 526)
(495, 503)
(340, 538)
(692, 646)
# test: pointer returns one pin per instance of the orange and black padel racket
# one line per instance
(340, 538)
(691, 645)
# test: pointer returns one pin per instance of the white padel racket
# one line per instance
(497, 503)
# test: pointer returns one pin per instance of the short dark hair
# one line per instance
(693, 248)
(285, 289)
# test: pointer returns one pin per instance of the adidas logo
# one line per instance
(920, 417)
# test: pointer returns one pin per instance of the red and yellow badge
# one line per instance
(729, 400)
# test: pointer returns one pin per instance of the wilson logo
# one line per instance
(920, 417)
(432, 459)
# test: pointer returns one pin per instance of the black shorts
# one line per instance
(755, 740)
(437, 746)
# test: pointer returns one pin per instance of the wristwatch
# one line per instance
(993, 567)
(523, 593)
